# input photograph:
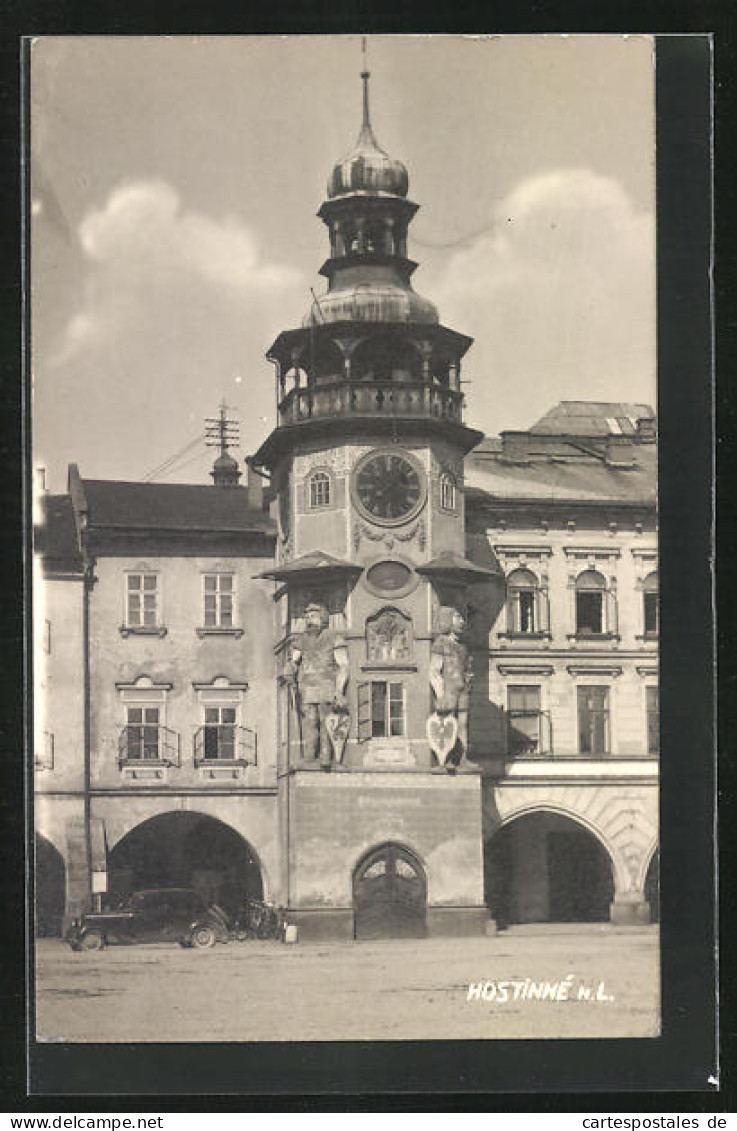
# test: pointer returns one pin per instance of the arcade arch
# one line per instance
(50, 881)
(187, 849)
(542, 866)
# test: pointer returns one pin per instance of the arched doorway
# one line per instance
(50, 881)
(187, 850)
(652, 887)
(389, 895)
(543, 867)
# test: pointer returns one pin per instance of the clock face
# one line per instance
(389, 487)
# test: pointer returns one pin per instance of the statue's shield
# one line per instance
(337, 726)
(442, 734)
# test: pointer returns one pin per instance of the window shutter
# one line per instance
(364, 711)
(611, 611)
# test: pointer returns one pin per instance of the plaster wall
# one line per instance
(182, 657)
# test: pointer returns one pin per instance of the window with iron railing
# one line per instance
(221, 739)
(144, 739)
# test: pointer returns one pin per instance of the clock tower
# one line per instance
(380, 807)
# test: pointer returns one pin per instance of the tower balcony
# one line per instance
(372, 399)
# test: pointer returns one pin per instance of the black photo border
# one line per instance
(378, 1074)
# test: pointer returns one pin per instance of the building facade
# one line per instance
(402, 682)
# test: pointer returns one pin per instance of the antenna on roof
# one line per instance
(221, 431)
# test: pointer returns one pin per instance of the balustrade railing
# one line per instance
(371, 398)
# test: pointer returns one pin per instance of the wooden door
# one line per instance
(389, 895)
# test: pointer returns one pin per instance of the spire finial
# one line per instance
(365, 76)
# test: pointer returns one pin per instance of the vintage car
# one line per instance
(166, 915)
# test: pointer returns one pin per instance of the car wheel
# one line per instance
(92, 940)
(203, 937)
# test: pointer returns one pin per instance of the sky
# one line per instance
(174, 187)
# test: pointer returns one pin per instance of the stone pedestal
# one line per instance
(630, 909)
(335, 820)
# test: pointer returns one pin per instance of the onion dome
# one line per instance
(367, 168)
(225, 471)
(371, 302)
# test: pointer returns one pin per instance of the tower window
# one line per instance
(381, 709)
(320, 489)
(447, 492)
(387, 709)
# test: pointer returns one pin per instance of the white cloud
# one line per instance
(144, 249)
(175, 304)
(560, 297)
(143, 225)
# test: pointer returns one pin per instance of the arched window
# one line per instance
(447, 492)
(525, 611)
(591, 604)
(320, 489)
(651, 604)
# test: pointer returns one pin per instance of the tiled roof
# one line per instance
(171, 506)
(55, 538)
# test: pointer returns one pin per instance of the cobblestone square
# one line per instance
(384, 990)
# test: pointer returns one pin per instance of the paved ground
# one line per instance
(398, 989)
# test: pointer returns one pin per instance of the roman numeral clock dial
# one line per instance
(388, 487)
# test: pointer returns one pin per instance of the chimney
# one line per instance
(516, 445)
(620, 451)
(646, 428)
(255, 488)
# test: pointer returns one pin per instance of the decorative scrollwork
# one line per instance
(418, 530)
